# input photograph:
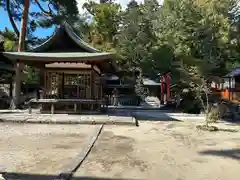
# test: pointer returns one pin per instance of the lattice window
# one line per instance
(53, 82)
(74, 85)
(78, 84)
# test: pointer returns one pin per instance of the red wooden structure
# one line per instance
(165, 81)
(168, 84)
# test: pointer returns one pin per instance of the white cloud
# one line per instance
(122, 2)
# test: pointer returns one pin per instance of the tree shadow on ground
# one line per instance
(25, 176)
(230, 153)
(163, 117)
(146, 118)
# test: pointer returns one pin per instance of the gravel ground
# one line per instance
(153, 151)
(40, 149)
(164, 150)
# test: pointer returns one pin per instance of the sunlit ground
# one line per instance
(154, 150)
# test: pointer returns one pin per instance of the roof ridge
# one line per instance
(70, 32)
(77, 39)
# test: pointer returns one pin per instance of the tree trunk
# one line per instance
(19, 66)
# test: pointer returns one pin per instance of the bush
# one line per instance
(190, 104)
(214, 114)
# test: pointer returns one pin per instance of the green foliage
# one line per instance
(136, 39)
(31, 75)
(140, 90)
(10, 40)
(104, 25)
(45, 14)
(178, 35)
(195, 40)
(199, 32)
(214, 115)
(61, 10)
(10, 45)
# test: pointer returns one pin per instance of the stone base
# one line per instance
(35, 118)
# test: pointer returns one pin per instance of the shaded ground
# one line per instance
(167, 150)
(43, 149)
(164, 150)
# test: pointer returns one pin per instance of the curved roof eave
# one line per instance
(47, 43)
(82, 44)
(78, 40)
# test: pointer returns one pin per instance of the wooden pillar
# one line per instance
(162, 81)
(45, 85)
(168, 84)
(229, 88)
(62, 86)
(42, 77)
(92, 83)
(115, 95)
(42, 82)
(11, 88)
(38, 92)
(18, 82)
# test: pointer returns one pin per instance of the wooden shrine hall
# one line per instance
(71, 72)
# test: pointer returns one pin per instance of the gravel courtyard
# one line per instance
(153, 151)
(40, 149)
(164, 151)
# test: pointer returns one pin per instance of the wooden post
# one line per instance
(18, 82)
(168, 84)
(229, 88)
(38, 93)
(75, 108)
(52, 108)
(62, 86)
(92, 77)
(11, 88)
(162, 81)
(41, 82)
(29, 108)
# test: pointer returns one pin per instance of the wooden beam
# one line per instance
(62, 85)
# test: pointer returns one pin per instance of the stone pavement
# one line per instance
(8, 116)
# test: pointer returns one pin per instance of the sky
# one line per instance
(4, 20)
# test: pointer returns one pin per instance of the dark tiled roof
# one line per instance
(235, 72)
(63, 34)
(64, 46)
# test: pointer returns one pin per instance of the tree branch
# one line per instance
(49, 13)
(11, 18)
